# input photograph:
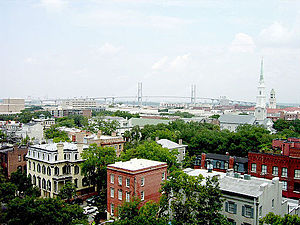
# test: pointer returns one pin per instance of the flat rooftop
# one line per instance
(137, 164)
(53, 146)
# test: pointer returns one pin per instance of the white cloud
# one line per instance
(30, 60)
(242, 43)
(108, 49)
(160, 63)
(180, 62)
(53, 5)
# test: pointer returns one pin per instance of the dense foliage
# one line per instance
(273, 219)
(68, 191)
(25, 116)
(288, 128)
(71, 121)
(56, 135)
(124, 114)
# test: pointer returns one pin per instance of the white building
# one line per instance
(50, 166)
(246, 198)
(260, 108)
(80, 103)
(272, 100)
(231, 122)
(35, 131)
(165, 143)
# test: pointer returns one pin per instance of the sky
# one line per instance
(74, 48)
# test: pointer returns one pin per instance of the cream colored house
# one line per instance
(50, 166)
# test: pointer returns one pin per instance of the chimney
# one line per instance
(80, 143)
(156, 138)
(60, 151)
(231, 162)
(180, 141)
(99, 133)
(203, 158)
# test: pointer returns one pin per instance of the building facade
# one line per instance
(50, 166)
(246, 198)
(12, 106)
(13, 158)
(285, 166)
(272, 100)
(140, 178)
(165, 143)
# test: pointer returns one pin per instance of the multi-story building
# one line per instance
(13, 158)
(58, 112)
(12, 106)
(140, 178)
(246, 198)
(165, 143)
(80, 103)
(45, 122)
(285, 165)
(222, 163)
(114, 141)
(50, 166)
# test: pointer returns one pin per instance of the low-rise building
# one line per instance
(165, 143)
(50, 166)
(231, 122)
(13, 158)
(45, 122)
(246, 198)
(221, 162)
(140, 178)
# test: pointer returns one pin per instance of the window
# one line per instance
(142, 195)
(275, 171)
(297, 173)
(39, 182)
(142, 181)
(24, 157)
(112, 209)
(120, 147)
(38, 168)
(247, 211)
(66, 169)
(76, 156)
(76, 169)
(85, 182)
(44, 183)
(284, 172)
(253, 167)
(127, 197)
(48, 171)
(55, 157)
(29, 165)
(33, 153)
(56, 171)
(43, 156)
(112, 178)
(76, 183)
(230, 207)
(34, 180)
(112, 192)
(33, 165)
(163, 177)
(120, 194)
(127, 182)
(263, 169)
(218, 164)
(120, 180)
(272, 203)
(43, 169)
(55, 186)
(49, 185)
(284, 185)
(236, 167)
(260, 211)
(19, 158)
(48, 157)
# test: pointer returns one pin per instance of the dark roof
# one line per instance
(217, 156)
(241, 159)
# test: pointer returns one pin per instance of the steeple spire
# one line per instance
(261, 79)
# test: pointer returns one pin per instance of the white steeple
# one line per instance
(260, 108)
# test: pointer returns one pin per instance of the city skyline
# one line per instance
(63, 48)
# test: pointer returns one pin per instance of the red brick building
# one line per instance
(286, 165)
(141, 178)
(13, 159)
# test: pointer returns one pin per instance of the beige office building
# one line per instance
(12, 106)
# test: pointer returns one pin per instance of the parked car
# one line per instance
(89, 209)
(92, 200)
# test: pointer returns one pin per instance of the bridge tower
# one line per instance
(193, 94)
(140, 93)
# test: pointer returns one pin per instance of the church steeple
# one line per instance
(261, 78)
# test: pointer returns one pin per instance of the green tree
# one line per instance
(7, 191)
(107, 127)
(95, 164)
(68, 191)
(152, 151)
(48, 211)
(56, 135)
(273, 219)
(192, 200)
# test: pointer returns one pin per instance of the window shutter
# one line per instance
(243, 210)
(235, 207)
(252, 212)
(226, 206)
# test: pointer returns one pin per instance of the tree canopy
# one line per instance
(273, 219)
(68, 191)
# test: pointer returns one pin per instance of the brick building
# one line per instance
(286, 165)
(221, 162)
(138, 177)
(13, 158)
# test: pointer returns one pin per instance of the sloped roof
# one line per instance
(237, 119)
(165, 143)
(143, 121)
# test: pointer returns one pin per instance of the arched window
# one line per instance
(48, 171)
(48, 157)
(39, 182)
(66, 169)
(38, 168)
(56, 171)
(55, 157)
(34, 180)
(76, 170)
(29, 165)
(44, 183)
(33, 165)
(44, 169)
(29, 175)
(76, 156)
(49, 185)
